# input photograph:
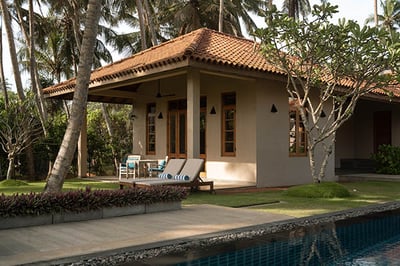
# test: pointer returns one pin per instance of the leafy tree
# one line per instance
(19, 128)
(335, 64)
(105, 149)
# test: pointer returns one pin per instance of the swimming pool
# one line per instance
(369, 239)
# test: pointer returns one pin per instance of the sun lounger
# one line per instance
(172, 168)
(189, 176)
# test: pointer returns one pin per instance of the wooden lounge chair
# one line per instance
(189, 176)
(172, 168)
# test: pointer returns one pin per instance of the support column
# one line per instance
(193, 114)
(82, 149)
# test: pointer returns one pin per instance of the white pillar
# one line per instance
(82, 149)
(193, 114)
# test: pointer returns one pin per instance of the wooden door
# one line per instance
(382, 128)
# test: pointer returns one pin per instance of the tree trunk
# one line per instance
(292, 9)
(221, 16)
(2, 78)
(110, 130)
(68, 145)
(152, 29)
(17, 77)
(13, 53)
(376, 12)
(140, 11)
(36, 86)
(11, 168)
(76, 23)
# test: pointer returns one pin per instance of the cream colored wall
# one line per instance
(261, 136)
(242, 167)
(274, 165)
(345, 138)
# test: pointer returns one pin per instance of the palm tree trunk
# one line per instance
(221, 16)
(152, 29)
(68, 145)
(376, 12)
(36, 87)
(76, 23)
(2, 78)
(110, 130)
(13, 52)
(140, 11)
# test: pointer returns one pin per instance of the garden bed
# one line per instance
(53, 208)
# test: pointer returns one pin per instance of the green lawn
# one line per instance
(362, 194)
(68, 185)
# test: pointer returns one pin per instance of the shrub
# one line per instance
(387, 160)
(321, 190)
(85, 200)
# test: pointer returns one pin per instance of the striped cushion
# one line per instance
(182, 177)
(165, 176)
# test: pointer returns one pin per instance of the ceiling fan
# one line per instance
(159, 95)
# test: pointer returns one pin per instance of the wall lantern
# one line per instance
(322, 114)
(160, 116)
(273, 109)
(213, 112)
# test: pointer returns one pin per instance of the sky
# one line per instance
(357, 10)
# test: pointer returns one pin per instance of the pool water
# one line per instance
(366, 240)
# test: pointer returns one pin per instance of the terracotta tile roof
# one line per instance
(203, 45)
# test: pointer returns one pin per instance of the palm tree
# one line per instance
(181, 17)
(390, 19)
(67, 149)
(295, 8)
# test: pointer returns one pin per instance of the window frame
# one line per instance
(151, 129)
(298, 135)
(224, 108)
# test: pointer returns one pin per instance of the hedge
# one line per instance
(85, 200)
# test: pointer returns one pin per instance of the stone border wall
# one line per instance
(23, 221)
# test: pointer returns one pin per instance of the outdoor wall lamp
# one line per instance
(213, 112)
(322, 114)
(160, 116)
(273, 109)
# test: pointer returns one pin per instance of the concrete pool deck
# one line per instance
(68, 242)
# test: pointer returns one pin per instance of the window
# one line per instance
(203, 125)
(229, 124)
(151, 128)
(297, 133)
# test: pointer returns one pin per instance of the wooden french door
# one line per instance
(177, 129)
